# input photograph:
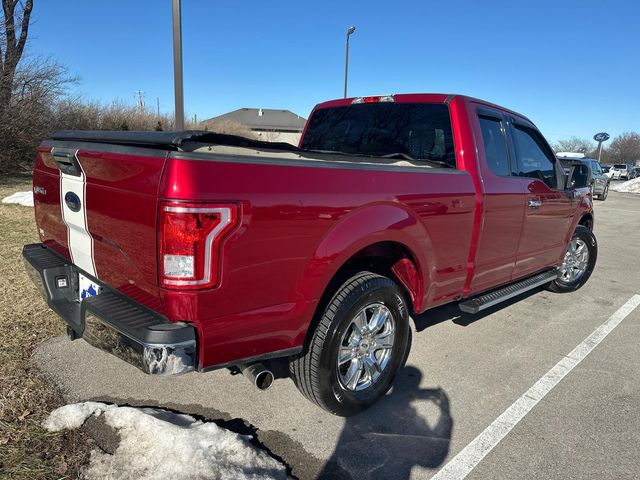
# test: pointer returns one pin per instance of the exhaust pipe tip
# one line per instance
(264, 380)
(261, 377)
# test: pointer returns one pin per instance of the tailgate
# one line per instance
(96, 204)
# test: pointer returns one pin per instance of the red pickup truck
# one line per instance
(181, 251)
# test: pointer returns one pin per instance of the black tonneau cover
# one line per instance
(166, 140)
(191, 140)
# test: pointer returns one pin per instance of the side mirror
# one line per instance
(578, 176)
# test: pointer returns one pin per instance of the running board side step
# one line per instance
(481, 302)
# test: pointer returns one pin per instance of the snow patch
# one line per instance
(158, 444)
(630, 186)
(21, 198)
(73, 416)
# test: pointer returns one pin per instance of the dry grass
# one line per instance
(26, 450)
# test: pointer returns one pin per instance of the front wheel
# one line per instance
(579, 262)
(357, 347)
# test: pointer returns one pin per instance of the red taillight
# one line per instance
(190, 242)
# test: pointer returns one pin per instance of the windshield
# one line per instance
(420, 131)
(620, 166)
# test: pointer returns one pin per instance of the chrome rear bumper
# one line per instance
(112, 321)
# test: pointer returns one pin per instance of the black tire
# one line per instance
(585, 235)
(605, 193)
(316, 372)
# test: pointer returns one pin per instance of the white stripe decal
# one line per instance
(78, 238)
(466, 460)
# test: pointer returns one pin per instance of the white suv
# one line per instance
(622, 171)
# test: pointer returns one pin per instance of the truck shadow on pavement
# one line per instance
(452, 312)
(391, 437)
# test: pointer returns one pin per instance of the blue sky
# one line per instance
(571, 66)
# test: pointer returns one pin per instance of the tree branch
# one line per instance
(9, 8)
(13, 49)
(24, 28)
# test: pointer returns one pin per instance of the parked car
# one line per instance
(598, 180)
(180, 251)
(607, 170)
(636, 172)
(623, 171)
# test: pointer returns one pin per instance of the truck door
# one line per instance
(549, 210)
(503, 203)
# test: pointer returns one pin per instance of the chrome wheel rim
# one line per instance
(366, 347)
(576, 261)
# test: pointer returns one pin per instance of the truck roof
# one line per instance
(420, 98)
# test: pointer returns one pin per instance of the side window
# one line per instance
(495, 146)
(532, 160)
(596, 167)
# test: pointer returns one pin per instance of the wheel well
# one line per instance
(377, 258)
(587, 221)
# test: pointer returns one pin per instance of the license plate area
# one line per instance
(87, 288)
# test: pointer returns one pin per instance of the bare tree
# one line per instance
(625, 148)
(16, 15)
(37, 85)
(75, 113)
(230, 127)
(574, 144)
(269, 136)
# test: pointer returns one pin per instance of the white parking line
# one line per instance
(466, 460)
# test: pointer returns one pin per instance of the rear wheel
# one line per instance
(357, 347)
(579, 262)
(605, 193)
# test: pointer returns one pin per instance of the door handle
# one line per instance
(534, 203)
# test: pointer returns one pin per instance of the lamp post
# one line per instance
(346, 62)
(177, 65)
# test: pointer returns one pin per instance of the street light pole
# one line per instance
(177, 65)
(346, 62)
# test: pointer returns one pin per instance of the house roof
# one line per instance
(264, 119)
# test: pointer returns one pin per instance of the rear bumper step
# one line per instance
(111, 321)
(476, 304)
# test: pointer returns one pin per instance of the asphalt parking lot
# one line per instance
(463, 372)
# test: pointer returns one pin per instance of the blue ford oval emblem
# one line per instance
(73, 201)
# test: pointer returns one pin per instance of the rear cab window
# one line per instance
(495, 146)
(419, 132)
